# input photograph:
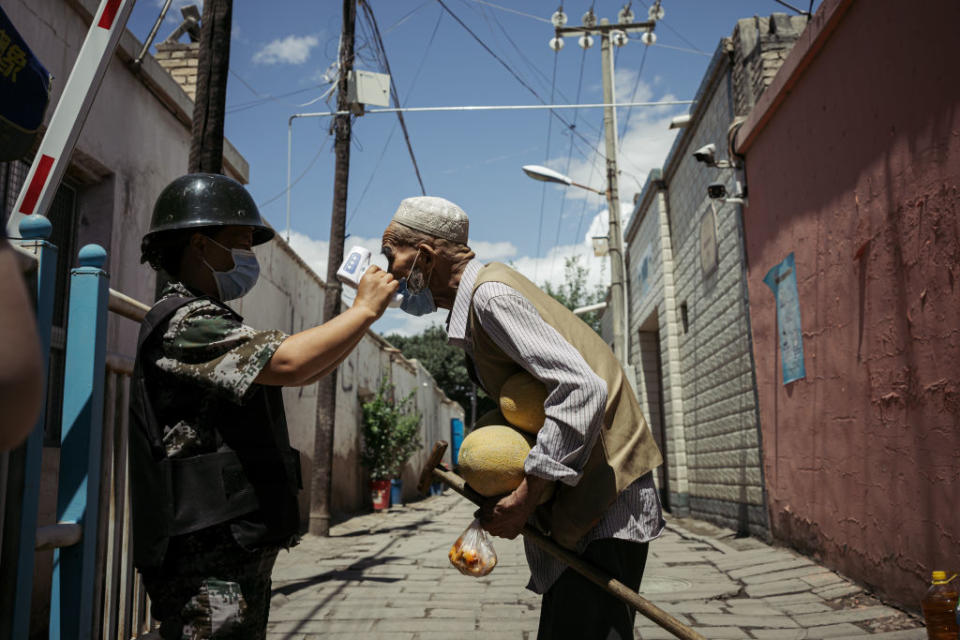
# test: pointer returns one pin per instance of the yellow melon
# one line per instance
(491, 459)
(521, 401)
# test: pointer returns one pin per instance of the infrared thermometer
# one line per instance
(355, 264)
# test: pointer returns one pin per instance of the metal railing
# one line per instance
(95, 590)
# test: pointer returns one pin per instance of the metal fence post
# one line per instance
(71, 600)
(23, 489)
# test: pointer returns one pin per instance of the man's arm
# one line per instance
(576, 399)
(305, 357)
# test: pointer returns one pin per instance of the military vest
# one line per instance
(251, 479)
(625, 449)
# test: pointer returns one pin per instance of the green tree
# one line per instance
(574, 292)
(445, 363)
(391, 433)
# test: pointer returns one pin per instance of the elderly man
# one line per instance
(594, 446)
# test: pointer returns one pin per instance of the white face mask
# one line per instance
(239, 280)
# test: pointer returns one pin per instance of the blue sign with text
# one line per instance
(24, 92)
(782, 280)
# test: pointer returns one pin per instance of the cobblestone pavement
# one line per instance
(385, 576)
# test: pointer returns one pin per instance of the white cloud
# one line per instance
(644, 145)
(489, 251)
(289, 50)
(314, 252)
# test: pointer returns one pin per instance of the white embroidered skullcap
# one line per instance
(437, 217)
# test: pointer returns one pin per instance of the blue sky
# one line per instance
(474, 159)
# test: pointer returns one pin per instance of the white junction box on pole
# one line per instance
(367, 87)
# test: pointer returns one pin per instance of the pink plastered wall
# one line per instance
(853, 164)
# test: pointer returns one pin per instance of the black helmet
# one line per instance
(206, 200)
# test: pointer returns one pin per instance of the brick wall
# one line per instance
(693, 322)
(653, 338)
(180, 61)
(760, 45)
(721, 431)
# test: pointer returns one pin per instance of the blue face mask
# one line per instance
(416, 301)
(236, 282)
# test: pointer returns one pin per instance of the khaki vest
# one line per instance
(624, 450)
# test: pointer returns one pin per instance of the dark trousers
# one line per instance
(209, 587)
(576, 609)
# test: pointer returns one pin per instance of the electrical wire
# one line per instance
(519, 13)
(505, 65)
(543, 191)
(684, 49)
(674, 31)
(264, 98)
(636, 86)
(393, 90)
(566, 172)
(413, 83)
(530, 64)
(260, 205)
(790, 6)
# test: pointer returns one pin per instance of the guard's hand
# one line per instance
(504, 517)
(375, 290)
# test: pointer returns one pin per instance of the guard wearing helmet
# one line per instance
(214, 478)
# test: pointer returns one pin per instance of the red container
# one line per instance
(380, 494)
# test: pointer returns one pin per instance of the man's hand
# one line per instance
(504, 517)
(375, 290)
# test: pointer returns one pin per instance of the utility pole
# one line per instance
(610, 35)
(321, 480)
(206, 146)
(618, 283)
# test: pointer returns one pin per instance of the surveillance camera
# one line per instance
(717, 190)
(706, 153)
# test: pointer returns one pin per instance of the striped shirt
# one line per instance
(576, 398)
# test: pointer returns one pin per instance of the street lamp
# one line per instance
(612, 247)
(544, 174)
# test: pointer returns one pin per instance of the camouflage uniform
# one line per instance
(209, 586)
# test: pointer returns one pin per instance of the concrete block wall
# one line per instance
(654, 345)
(760, 45)
(721, 431)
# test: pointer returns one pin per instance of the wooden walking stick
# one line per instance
(621, 591)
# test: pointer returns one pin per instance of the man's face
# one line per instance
(219, 257)
(400, 257)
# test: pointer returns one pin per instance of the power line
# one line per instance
(543, 191)
(674, 31)
(519, 13)
(393, 91)
(790, 6)
(636, 85)
(413, 83)
(530, 64)
(504, 64)
(260, 205)
(264, 98)
(685, 50)
(563, 201)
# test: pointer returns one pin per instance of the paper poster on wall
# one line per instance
(644, 270)
(782, 280)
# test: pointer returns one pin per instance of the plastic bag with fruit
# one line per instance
(472, 554)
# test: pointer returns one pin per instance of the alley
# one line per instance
(386, 576)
